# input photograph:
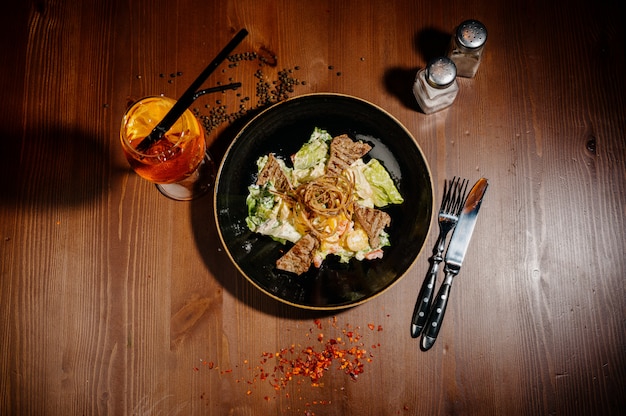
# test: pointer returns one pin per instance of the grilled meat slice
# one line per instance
(373, 222)
(344, 152)
(298, 259)
(272, 172)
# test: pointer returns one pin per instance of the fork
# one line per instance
(451, 205)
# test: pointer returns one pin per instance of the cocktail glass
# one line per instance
(178, 163)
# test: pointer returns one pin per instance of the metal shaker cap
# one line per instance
(471, 34)
(441, 72)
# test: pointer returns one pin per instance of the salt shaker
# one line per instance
(435, 86)
(466, 47)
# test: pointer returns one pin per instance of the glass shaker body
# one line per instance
(435, 86)
(466, 47)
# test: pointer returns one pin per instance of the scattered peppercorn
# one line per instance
(267, 92)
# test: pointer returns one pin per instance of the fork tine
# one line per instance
(455, 197)
(460, 197)
(448, 195)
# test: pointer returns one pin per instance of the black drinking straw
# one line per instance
(189, 95)
(220, 88)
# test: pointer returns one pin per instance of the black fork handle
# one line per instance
(424, 299)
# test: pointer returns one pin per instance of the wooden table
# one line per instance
(116, 300)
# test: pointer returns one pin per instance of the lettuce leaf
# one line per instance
(383, 188)
(269, 215)
(310, 161)
(261, 203)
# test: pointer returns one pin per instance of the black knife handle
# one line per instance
(424, 300)
(435, 319)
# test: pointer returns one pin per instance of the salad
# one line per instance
(325, 199)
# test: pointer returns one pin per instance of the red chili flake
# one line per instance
(196, 369)
(301, 363)
(211, 365)
(380, 328)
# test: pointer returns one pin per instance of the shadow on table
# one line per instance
(216, 257)
(55, 167)
(430, 43)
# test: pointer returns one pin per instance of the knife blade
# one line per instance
(455, 254)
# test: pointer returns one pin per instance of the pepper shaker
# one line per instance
(466, 47)
(435, 86)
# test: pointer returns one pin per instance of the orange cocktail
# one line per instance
(175, 157)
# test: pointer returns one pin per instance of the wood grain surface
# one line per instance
(115, 300)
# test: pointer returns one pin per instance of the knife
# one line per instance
(454, 259)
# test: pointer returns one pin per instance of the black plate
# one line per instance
(283, 129)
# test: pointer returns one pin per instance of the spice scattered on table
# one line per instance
(268, 91)
(329, 347)
(272, 86)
